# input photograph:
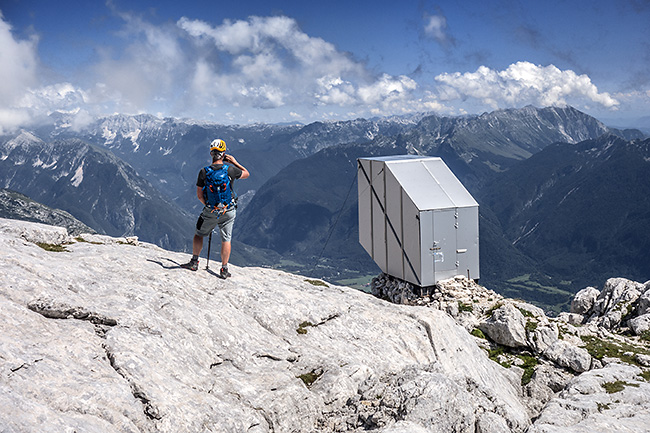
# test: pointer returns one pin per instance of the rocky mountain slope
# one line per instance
(584, 371)
(14, 205)
(108, 334)
(95, 186)
(169, 152)
(582, 210)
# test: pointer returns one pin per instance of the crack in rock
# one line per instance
(328, 318)
(149, 409)
(53, 310)
(24, 365)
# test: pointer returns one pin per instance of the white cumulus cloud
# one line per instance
(18, 72)
(268, 62)
(261, 68)
(19, 63)
(387, 89)
(60, 96)
(435, 27)
(147, 70)
(524, 83)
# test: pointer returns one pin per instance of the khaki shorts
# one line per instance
(208, 221)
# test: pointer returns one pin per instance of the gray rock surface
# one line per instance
(543, 337)
(569, 356)
(507, 326)
(643, 306)
(640, 324)
(611, 399)
(615, 302)
(111, 336)
(545, 383)
(584, 300)
(571, 318)
(554, 349)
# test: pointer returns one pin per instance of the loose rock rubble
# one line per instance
(605, 329)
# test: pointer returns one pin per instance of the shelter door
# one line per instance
(443, 250)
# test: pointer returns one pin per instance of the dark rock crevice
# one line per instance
(55, 310)
(150, 411)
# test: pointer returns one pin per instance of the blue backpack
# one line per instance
(217, 191)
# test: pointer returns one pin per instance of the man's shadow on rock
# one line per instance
(175, 266)
(178, 266)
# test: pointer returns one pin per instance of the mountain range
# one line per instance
(125, 175)
(94, 186)
(582, 210)
(170, 152)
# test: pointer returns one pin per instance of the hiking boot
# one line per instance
(192, 265)
(224, 273)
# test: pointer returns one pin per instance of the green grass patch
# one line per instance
(495, 307)
(526, 313)
(302, 328)
(530, 362)
(599, 349)
(645, 335)
(80, 239)
(478, 333)
(531, 325)
(317, 283)
(645, 375)
(465, 307)
(309, 378)
(617, 386)
(360, 283)
(520, 279)
(494, 354)
(56, 248)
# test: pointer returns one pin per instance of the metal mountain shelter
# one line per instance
(416, 219)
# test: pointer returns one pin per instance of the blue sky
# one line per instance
(281, 61)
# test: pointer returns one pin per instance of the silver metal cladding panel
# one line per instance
(423, 188)
(444, 244)
(427, 276)
(379, 247)
(452, 187)
(412, 260)
(394, 229)
(365, 206)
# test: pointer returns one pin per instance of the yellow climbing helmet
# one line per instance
(218, 145)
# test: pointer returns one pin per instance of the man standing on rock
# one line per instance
(214, 189)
